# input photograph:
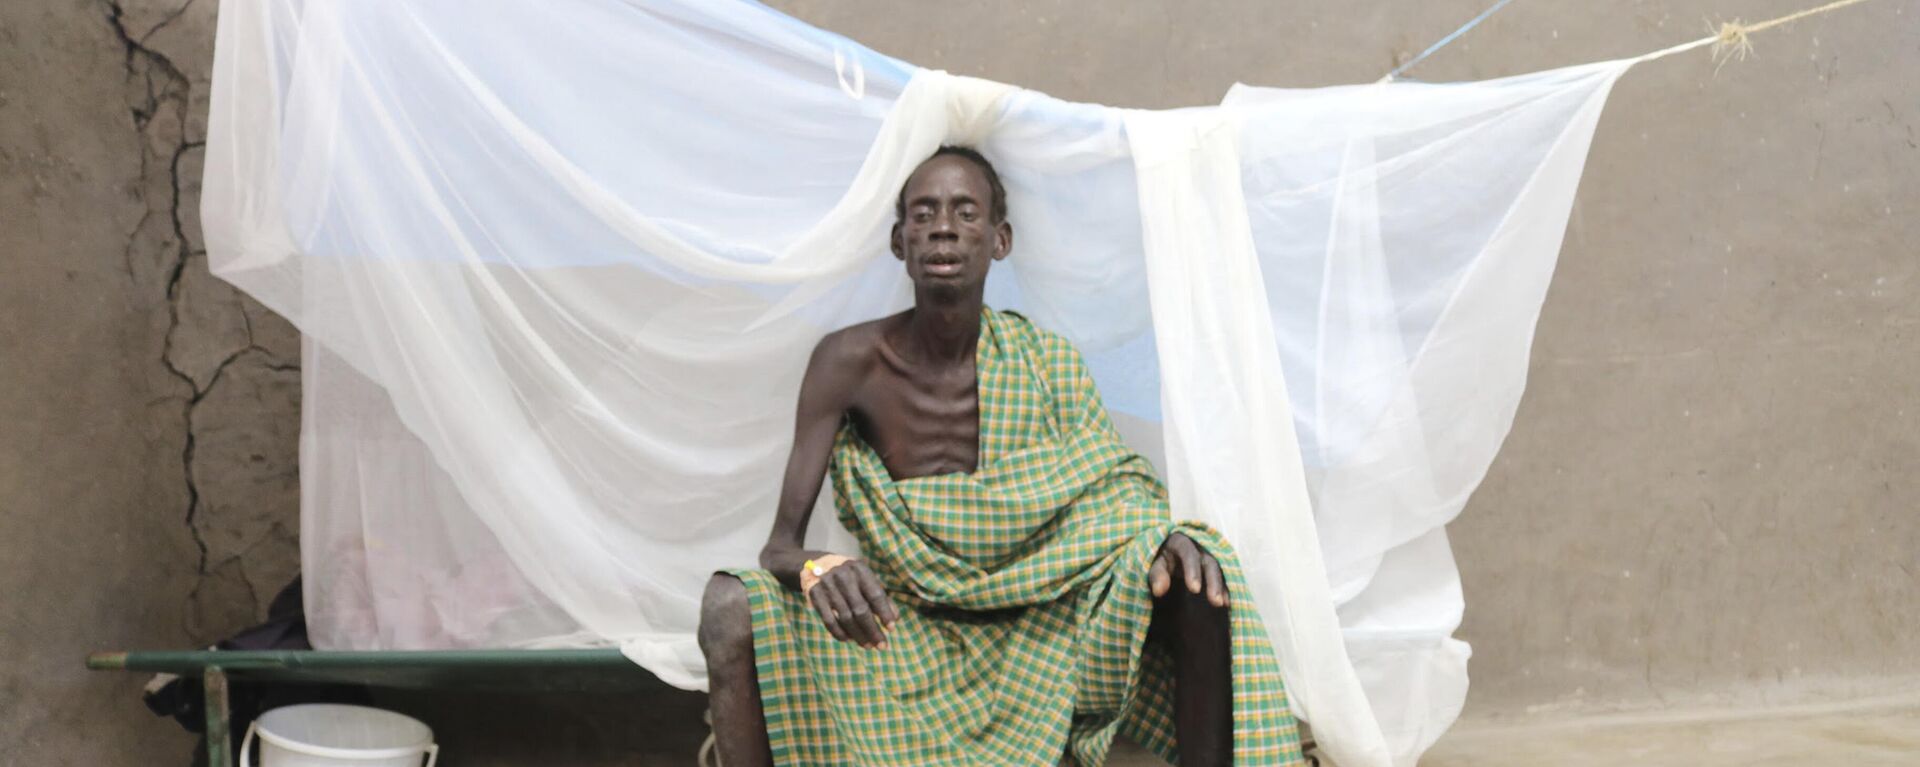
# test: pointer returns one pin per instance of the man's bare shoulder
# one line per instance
(851, 344)
(846, 354)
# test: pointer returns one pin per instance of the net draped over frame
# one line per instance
(560, 266)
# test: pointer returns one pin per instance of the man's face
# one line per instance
(947, 237)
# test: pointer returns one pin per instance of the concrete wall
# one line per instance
(147, 467)
(1707, 496)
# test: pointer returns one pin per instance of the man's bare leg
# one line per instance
(1200, 638)
(726, 637)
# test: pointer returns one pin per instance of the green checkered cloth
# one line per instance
(1023, 596)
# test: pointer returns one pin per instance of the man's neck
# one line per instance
(944, 328)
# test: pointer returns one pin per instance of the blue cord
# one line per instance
(1448, 39)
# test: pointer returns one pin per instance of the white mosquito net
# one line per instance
(560, 266)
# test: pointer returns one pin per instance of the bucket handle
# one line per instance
(246, 745)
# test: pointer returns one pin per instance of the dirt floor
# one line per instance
(1883, 733)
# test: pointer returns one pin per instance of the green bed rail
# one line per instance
(591, 670)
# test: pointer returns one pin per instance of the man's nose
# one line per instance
(943, 228)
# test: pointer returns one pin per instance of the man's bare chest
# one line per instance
(920, 422)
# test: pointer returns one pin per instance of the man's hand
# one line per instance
(1181, 558)
(853, 604)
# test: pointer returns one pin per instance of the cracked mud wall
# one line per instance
(235, 363)
(148, 469)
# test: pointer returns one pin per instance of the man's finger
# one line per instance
(877, 597)
(818, 596)
(869, 624)
(842, 612)
(1216, 581)
(1189, 554)
(858, 620)
(1157, 577)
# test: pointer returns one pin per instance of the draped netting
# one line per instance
(560, 266)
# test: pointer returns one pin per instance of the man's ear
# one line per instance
(1002, 240)
(899, 248)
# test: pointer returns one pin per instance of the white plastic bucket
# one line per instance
(333, 735)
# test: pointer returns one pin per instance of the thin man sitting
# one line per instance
(1022, 593)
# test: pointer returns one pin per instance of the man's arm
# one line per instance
(849, 597)
(826, 391)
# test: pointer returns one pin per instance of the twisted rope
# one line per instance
(1730, 40)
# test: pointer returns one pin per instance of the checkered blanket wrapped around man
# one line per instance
(1023, 596)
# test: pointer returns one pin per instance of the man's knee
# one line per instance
(1181, 603)
(1181, 617)
(726, 620)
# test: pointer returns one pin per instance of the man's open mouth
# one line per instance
(942, 266)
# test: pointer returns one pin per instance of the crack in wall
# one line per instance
(205, 568)
(179, 228)
(209, 329)
(159, 104)
(170, 18)
(137, 50)
(141, 64)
